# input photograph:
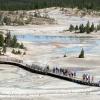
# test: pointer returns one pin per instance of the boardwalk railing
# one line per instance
(45, 71)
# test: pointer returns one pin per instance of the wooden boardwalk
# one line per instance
(33, 68)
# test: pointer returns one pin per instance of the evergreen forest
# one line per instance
(38, 4)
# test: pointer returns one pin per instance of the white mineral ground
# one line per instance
(18, 84)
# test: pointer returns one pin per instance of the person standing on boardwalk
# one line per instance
(92, 79)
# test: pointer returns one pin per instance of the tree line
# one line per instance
(84, 28)
(9, 41)
(37, 4)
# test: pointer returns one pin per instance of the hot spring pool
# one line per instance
(93, 44)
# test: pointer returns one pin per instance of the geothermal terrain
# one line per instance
(47, 44)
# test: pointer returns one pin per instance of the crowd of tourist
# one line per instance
(72, 74)
(88, 78)
(64, 72)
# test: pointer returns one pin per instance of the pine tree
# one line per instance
(21, 46)
(98, 27)
(88, 27)
(71, 28)
(8, 39)
(19, 52)
(82, 28)
(65, 55)
(76, 28)
(81, 55)
(92, 28)
(4, 49)
(14, 42)
(13, 51)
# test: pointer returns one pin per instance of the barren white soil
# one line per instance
(18, 84)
